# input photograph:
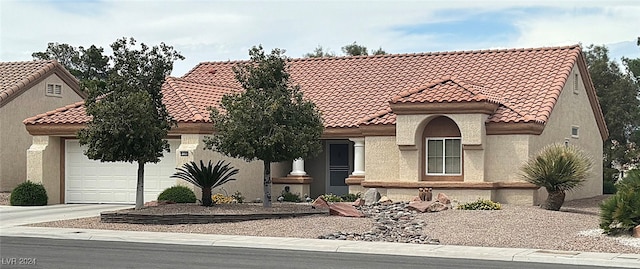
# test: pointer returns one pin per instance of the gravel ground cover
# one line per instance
(573, 229)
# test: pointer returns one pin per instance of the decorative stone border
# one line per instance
(170, 219)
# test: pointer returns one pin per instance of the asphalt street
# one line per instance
(24, 252)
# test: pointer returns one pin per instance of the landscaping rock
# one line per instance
(371, 196)
(420, 206)
(416, 199)
(320, 203)
(384, 200)
(358, 202)
(636, 232)
(394, 222)
(437, 207)
(443, 198)
(344, 210)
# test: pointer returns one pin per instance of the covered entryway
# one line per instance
(90, 181)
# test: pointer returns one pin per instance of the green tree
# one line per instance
(354, 50)
(633, 66)
(557, 168)
(379, 51)
(319, 52)
(129, 121)
(87, 65)
(270, 120)
(618, 95)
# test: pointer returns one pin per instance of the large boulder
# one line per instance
(427, 206)
(420, 206)
(320, 203)
(358, 202)
(636, 232)
(371, 196)
(443, 198)
(344, 210)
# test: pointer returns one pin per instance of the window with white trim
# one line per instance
(444, 156)
(575, 131)
(54, 90)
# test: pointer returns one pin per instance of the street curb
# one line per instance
(342, 246)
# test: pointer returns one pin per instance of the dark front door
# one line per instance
(339, 167)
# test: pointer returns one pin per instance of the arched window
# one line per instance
(442, 150)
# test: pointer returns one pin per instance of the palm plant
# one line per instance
(206, 177)
(558, 168)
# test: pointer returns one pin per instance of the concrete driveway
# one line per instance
(20, 215)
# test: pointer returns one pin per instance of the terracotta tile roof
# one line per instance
(189, 101)
(348, 90)
(70, 114)
(177, 94)
(15, 77)
(359, 90)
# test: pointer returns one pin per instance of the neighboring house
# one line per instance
(27, 89)
(459, 122)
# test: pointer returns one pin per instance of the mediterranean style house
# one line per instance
(461, 123)
(27, 89)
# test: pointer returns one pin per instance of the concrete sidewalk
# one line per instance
(11, 228)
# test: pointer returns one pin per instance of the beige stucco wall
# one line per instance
(504, 155)
(382, 159)
(408, 145)
(14, 139)
(574, 110)
(43, 162)
(249, 180)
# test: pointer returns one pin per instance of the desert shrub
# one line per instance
(220, 198)
(351, 197)
(608, 187)
(238, 196)
(330, 197)
(291, 197)
(29, 194)
(621, 212)
(558, 168)
(480, 204)
(206, 177)
(178, 194)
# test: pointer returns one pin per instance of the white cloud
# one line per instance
(223, 30)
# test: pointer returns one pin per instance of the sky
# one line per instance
(205, 31)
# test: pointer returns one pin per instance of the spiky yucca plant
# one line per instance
(621, 212)
(206, 177)
(558, 168)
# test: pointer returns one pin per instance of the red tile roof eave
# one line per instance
(36, 77)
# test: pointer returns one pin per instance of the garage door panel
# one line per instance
(91, 181)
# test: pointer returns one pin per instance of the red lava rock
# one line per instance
(344, 210)
(636, 232)
(358, 202)
(443, 198)
(320, 202)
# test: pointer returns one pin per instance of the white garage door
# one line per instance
(89, 181)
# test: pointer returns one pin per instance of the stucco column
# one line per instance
(358, 156)
(298, 168)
